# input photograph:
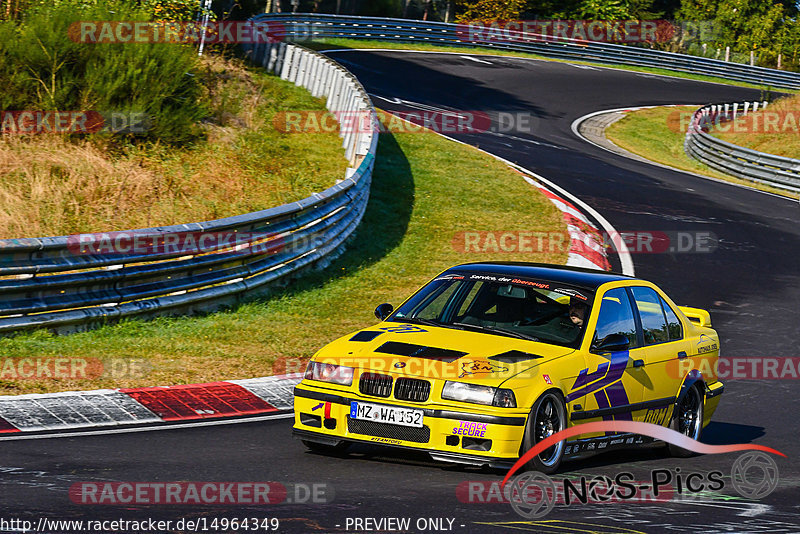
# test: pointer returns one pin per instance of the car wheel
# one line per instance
(548, 416)
(322, 448)
(688, 419)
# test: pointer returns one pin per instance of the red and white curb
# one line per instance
(586, 248)
(105, 408)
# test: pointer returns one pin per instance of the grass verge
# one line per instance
(773, 130)
(331, 43)
(425, 190)
(657, 134)
(53, 185)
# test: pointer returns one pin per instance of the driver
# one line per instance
(577, 311)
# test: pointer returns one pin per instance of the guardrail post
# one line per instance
(286, 67)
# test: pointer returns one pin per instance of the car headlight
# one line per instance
(477, 394)
(328, 372)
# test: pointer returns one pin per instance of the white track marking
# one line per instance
(476, 60)
(577, 122)
(586, 67)
(18, 436)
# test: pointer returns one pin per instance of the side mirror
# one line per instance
(383, 311)
(611, 343)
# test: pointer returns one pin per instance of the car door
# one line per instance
(611, 383)
(664, 345)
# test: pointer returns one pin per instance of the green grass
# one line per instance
(657, 134)
(50, 185)
(332, 43)
(425, 190)
(773, 130)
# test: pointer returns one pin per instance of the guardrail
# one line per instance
(68, 283)
(734, 160)
(306, 27)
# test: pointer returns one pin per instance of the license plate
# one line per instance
(381, 413)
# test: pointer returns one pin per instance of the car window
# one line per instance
(469, 300)
(654, 325)
(537, 310)
(434, 306)
(616, 316)
(673, 323)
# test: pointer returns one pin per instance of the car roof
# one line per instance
(576, 276)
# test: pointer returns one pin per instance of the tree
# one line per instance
(489, 9)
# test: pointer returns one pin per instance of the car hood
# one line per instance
(436, 352)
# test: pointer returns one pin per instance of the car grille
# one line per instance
(375, 384)
(385, 430)
(412, 389)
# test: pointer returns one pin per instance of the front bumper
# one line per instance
(456, 435)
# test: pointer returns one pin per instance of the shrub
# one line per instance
(44, 68)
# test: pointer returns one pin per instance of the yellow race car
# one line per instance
(488, 359)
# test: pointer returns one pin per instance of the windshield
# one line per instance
(538, 310)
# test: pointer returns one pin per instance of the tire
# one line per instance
(321, 448)
(548, 416)
(687, 419)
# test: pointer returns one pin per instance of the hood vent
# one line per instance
(366, 335)
(420, 351)
(514, 356)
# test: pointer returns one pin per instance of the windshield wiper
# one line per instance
(495, 329)
(429, 322)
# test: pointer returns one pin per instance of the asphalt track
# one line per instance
(750, 284)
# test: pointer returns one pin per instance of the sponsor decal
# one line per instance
(471, 429)
(400, 365)
(547, 379)
(449, 277)
(571, 293)
(386, 440)
(480, 367)
(656, 416)
(403, 329)
(706, 348)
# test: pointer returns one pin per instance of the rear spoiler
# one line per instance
(696, 315)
